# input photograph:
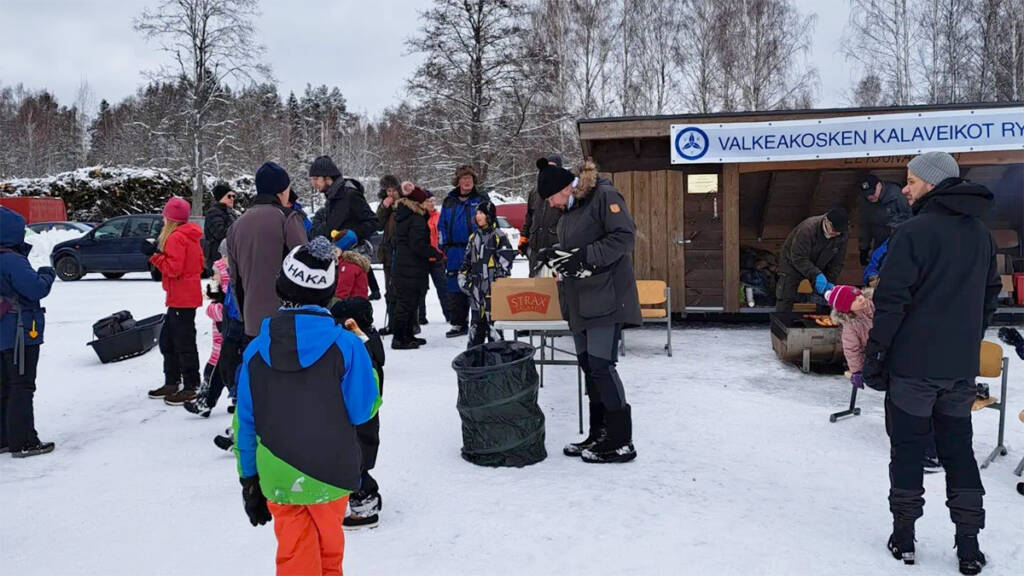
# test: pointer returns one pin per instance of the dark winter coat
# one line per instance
(181, 265)
(599, 223)
(541, 225)
(304, 384)
(807, 252)
(878, 219)
(386, 223)
(21, 287)
(346, 209)
(216, 222)
(413, 252)
(454, 227)
(489, 256)
(938, 286)
(257, 244)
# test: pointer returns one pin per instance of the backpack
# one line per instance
(114, 324)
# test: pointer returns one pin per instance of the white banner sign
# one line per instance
(849, 137)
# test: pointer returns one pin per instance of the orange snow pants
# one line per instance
(310, 541)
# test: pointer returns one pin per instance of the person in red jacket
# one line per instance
(353, 281)
(178, 255)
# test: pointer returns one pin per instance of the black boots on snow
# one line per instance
(199, 407)
(596, 434)
(969, 554)
(364, 509)
(33, 450)
(617, 445)
(226, 440)
(456, 331)
(901, 543)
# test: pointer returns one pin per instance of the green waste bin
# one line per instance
(502, 425)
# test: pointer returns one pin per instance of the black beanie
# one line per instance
(867, 184)
(358, 309)
(551, 179)
(220, 190)
(556, 160)
(308, 274)
(487, 207)
(271, 179)
(839, 219)
(324, 166)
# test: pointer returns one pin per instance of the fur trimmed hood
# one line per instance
(356, 258)
(587, 179)
(413, 206)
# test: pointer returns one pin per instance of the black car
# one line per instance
(112, 248)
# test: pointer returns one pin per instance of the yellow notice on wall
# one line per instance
(702, 183)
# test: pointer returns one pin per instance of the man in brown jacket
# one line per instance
(814, 251)
(257, 244)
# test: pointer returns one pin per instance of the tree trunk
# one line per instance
(197, 166)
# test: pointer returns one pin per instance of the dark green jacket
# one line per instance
(599, 222)
(808, 253)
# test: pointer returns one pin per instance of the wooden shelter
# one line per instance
(693, 219)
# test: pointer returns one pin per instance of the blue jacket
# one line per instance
(20, 285)
(453, 229)
(304, 384)
(305, 217)
(875, 264)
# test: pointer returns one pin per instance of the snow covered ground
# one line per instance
(739, 470)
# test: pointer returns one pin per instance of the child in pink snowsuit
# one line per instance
(855, 312)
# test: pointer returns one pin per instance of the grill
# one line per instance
(798, 340)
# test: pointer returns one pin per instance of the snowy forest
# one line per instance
(502, 81)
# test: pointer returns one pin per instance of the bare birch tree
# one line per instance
(212, 43)
(879, 39)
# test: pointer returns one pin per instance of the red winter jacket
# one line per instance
(352, 276)
(181, 264)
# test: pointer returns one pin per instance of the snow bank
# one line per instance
(42, 244)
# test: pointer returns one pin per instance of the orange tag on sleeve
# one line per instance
(614, 208)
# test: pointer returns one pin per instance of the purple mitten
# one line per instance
(857, 380)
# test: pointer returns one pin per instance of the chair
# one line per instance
(1020, 467)
(805, 288)
(657, 297)
(993, 365)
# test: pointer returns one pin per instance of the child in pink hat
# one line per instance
(853, 309)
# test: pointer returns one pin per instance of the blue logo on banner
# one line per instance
(691, 143)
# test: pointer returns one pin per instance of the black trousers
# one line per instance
(371, 281)
(458, 309)
(390, 296)
(597, 351)
(408, 301)
(917, 409)
(17, 391)
(368, 435)
(231, 350)
(178, 345)
(786, 292)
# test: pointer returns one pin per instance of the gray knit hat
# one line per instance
(934, 167)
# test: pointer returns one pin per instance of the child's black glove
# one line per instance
(1011, 337)
(147, 248)
(255, 502)
(214, 295)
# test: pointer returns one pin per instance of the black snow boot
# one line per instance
(901, 542)
(617, 445)
(225, 441)
(364, 509)
(969, 554)
(456, 331)
(198, 406)
(596, 434)
(1011, 337)
(34, 450)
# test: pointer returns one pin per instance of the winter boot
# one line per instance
(931, 464)
(420, 341)
(180, 397)
(456, 331)
(163, 391)
(198, 407)
(231, 407)
(364, 509)
(34, 450)
(225, 441)
(1020, 488)
(617, 445)
(1011, 337)
(596, 433)
(416, 328)
(969, 554)
(901, 542)
(397, 344)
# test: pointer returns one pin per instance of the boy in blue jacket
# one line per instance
(21, 334)
(304, 386)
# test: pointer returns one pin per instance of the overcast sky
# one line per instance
(357, 45)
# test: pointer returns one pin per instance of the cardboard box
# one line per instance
(1007, 283)
(525, 299)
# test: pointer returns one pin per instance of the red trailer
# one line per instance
(37, 208)
(515, 213)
